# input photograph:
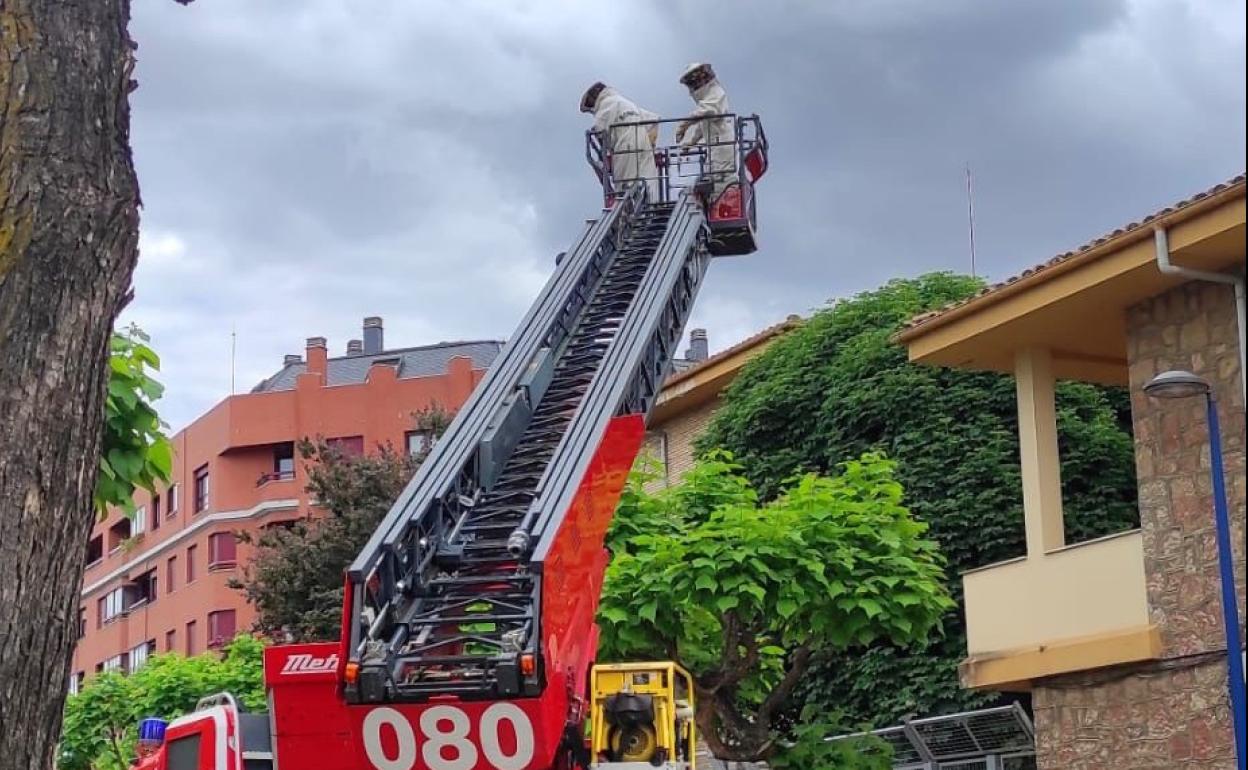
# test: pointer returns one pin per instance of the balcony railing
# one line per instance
(1090, 598)
(266, 478)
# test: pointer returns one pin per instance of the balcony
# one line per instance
(1074, 608)
(274, 476)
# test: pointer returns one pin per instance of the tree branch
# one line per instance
(744, 665)
(714, 680)
(781, 692)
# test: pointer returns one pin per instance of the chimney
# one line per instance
(317, 355)
(699, 349)
(290, 359)
(355, 347)
(374, 341)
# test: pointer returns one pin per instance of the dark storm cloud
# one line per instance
(309, 162)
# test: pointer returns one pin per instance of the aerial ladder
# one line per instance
(468, 637)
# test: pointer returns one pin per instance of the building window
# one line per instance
(82, 622)
(220, 627)
(111, 605)
(75, 682)
(190, 638)
(417, 441)
(283, 468)
(284, 460)
(171, 500)
(286, 524)
(95, 550)
(140, 653)
(118, 534)
(201, 489)
(142, 590)
(138, 521)
(155, 511)
(171, 639)
(221, 550)
(656, 446)
(171, 569)
(349, 446)
(116, 663)
(190, 563)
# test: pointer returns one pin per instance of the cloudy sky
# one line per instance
(306, 163)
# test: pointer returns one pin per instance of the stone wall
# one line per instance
(1192, 327)
(1172, 714)
(1159, 718)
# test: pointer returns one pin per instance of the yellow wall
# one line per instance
(1079, 591)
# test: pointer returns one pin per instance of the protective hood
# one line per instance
(603, 96)
(712, 91)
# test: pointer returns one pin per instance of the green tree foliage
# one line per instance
(101, 722)
(747, 596)
(809, 748)
(838, 386)
(134, 449)
(295, 580)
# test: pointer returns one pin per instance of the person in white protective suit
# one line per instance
(702, 127)
(631, 147)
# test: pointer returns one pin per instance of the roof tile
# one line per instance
(924, 318)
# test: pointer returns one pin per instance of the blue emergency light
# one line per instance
(151, 734)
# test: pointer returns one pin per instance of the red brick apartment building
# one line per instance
(157, 581)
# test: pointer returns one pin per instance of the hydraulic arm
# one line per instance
(447, 598)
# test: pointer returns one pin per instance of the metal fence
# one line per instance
(991, 739)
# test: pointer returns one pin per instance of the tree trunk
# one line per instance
(726, 733)
(68, 245)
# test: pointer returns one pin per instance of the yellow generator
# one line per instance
(642, 717)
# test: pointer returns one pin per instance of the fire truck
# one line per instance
(468, 636)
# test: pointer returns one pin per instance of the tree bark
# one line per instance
(725, 729)
(68, 244)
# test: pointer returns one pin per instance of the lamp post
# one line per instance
(1183, 384)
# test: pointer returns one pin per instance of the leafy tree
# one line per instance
(295, 578)
(135, 451)
(100, 726)
(839, 386)
(810, 748)
(748, 596)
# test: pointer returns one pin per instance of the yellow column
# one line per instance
(1037, 438)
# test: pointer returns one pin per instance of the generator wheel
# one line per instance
(637, 743)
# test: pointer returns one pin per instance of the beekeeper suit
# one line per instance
(703, 128)
(631, 147)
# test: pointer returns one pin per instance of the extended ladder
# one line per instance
(446, 599)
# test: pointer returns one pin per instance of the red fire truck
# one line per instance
(468, 635)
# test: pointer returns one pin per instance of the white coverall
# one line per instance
(631, 147)
(701, 128)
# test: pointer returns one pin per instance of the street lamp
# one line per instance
(1183, 384)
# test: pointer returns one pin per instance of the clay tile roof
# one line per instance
(792, 322)
(920, 320)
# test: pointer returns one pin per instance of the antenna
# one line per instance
(970, 214)
(233, 350)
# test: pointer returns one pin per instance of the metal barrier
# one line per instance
(991, 739)
(722, 156)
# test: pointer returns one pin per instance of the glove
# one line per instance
(681, 128)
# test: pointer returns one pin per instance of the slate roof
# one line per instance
(912, 328)
(423, 361)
